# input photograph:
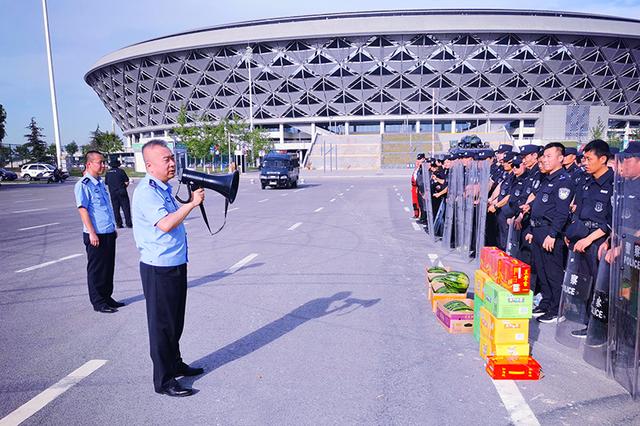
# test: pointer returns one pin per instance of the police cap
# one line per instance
(570, 151)
(420, 156)
(632, 148)
(528, 149)
(614, 150)
(505, 148)
(516, 162)
(509, 156)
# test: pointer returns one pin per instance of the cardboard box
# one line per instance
(503, 304)
(489, 257)
(455, 322)
(480, 279)
(503, 331)
(489, 348)
(477, 305)
(513, 368)
(514, 275)
(443, 297)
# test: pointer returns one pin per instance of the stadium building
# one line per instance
(369, 89)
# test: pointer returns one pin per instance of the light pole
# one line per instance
(248, 57)
(52, 87)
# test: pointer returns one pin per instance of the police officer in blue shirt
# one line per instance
(161, 239)
(99, 233)
(549, 214)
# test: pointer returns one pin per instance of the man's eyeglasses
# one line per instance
(100, 162)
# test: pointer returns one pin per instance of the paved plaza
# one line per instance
(309, 308)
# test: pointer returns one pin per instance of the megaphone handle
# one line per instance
(206, 221)
(204, 216)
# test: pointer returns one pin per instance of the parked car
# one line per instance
(36, 171)
(7, 174)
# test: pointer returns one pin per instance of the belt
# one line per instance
(539, 222)
(591, 225)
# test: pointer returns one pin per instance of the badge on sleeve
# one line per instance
(564, 193)
(599, 207)
(545, 198)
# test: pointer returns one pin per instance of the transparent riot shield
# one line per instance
(460, 172)
(449, 212)
(513, 240)
(428, 201)
(470, 190)
(595, 350)
(574, 300)
(623, 346)
(480, 202)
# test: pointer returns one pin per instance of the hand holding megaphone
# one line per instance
(226, 185)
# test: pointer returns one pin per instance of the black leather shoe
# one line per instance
(114, 304)
(176, 390)
(105, 309)
(129, 226)
(185, 370)
(119, 226)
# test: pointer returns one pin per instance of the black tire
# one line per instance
(263, 185)
(27, 178)
(294, 184)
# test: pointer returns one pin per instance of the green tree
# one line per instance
(5, 154)
(51, 151)
(3, 118)
(258, 141)
(22, 151)
(35, 142)
(635, 135)
(105, 142)
(71, 148)
(195, 138)
(598, 131)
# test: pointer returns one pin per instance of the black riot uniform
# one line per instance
(549, 214)
(593, 211)
(117, 181)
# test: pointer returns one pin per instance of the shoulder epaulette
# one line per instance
(86, 181)
(152, 183)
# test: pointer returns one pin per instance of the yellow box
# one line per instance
(503, 331)
(481, 277)
(443, 297)
(488, 348)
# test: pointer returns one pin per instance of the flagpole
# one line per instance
(52, 87)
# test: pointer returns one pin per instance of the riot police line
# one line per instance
(578, 226)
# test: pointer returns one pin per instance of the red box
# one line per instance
(489, 257)
(513, 368)
(514, 275)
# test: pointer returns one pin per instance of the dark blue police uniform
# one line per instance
(549, 214)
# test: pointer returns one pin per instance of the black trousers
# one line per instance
(549, 268)
(120, 200)
(503, 229)
(165, 290)
(101, 262)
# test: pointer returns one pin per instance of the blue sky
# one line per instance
(82, 31)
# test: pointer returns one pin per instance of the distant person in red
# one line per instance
(414, 186)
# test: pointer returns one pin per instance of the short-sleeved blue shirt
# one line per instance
(92, 195)
(152, 201)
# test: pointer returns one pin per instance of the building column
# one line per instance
(346, 128)
(488, 124)
(281, 132)
(627, 131)
(521, 129)
(453, 126)
(313, 131)
(382, 127)
(417, 126)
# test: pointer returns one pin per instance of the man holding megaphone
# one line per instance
(162, 241)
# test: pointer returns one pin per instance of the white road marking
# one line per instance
(401, 200)
(262, 201)
(406, 209)
(298, 190)
(318, 209)
(38, 402)
(235, 208)
(517, 407)
(433, 257)
(332, 200)
(29, 201)
(39, 226)
(341, 194)
(348, 189)
(31, 210)
(416, 227)
(241, 263)
(294, 226)
(42, 265)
